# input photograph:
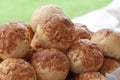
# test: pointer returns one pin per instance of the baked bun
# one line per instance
(16, 69)
(84, 55)
(54, 31)
(91, 76)
(50, 64)
(40, 13)
(81, 32)
(15, 39)
(108, 41)
(109, 65)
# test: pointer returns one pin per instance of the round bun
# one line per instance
(108, 41)
(40, 13)
(16, 69)
(81, 32)
(15, 39)
(50, 64)
(109, 65)
(54, 31)
(84, 56)
(91, 76)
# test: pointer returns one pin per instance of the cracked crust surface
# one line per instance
(16, 69)
(14, 35)
(85, 56)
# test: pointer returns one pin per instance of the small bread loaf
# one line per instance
(91, 76)
(40, 13)
(54, 31)
(50, 64)
(16, 69)
(109, 65)
(81, 32)
(15, 39)
(108, 41)
(84, 55)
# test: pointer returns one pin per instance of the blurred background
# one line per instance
(22, 10)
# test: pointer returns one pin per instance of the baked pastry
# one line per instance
(54, 31)
(108, 41)
(15, 39)
(81, 32)
(84, 55)
(109, 65)
(91, 76)
(50, 64)
(40, 13)
(16, 69)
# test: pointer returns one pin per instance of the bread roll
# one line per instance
(16, 69)
(109, 65)
(84, 55)
(15, 39)
(54, 31)
(91, 76)
(108, 41)
(40, 13)
(81, 32)
(50, 64)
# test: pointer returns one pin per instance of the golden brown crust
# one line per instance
(81, 31)
(108, 41)
(109, 65)
(57, 28)
(52, 59)
(108, 32)
(12, 32)
(90, 50)
(16, 69)
(85, 55)
(40, 13)
(91, 76)
(54, 31)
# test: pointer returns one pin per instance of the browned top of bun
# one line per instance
(108, 32)
(52, 59)
(109, 65)
(90, 76)
(16, 69)
(58, 28)
(11, 32)
(92, 55)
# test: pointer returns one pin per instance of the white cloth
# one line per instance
(107, 17)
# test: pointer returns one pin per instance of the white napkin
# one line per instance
(107, 17)
(113, 75)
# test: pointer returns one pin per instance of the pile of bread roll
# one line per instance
(52, 47)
